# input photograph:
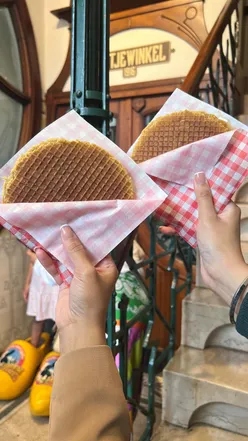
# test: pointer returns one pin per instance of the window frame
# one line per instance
(30, 97)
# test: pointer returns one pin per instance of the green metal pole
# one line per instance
(89, 94)
(124, 342)
(90, 62)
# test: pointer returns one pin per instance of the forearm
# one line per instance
(87, 400)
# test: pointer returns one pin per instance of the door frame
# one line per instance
(129, 103)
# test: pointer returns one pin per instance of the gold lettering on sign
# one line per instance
(155, 54)
(123, 59)
(149, 54)
(130, 72)
(162, 56)
(130, 59)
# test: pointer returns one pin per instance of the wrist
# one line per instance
(233, 279)
(80, 335)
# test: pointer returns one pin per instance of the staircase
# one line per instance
(205, 384)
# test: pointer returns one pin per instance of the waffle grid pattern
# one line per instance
(100, 225)
(58, 170)
(175, 130)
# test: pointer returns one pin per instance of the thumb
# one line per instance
(76, 251)
(204, 197)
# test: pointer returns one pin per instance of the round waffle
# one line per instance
(58, 170)
(174, 130)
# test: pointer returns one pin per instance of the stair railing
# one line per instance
(213, 74)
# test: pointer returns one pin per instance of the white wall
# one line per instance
(52, 38)
(52, 35)
(212, 9)
(180, 62)
(56, 41)
(36, 11)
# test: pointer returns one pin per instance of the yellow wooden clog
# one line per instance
(18, 366)
(41, 390)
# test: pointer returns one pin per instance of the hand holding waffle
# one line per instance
(81, 309)
(218, 235)
(185, 137)
(222, 264)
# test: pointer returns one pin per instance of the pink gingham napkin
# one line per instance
(224, 159)
(101, 225)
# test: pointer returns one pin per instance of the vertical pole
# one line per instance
(124, 343)
(89, 94)
(90, 62)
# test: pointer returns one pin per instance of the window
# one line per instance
(20, 88)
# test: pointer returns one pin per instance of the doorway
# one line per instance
(134, 106)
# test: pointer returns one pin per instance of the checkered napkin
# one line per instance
(101, 225)
(224, 159)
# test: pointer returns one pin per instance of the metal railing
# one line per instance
(213, 74)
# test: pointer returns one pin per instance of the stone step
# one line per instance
(167, 432)
(205, 322)
(207, 387)
(20, 425)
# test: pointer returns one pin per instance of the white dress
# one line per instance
(43, 294)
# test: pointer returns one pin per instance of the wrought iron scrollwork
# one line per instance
(218, 84)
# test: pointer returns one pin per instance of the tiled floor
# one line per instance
(19, 425)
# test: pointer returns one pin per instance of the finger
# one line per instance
(232, 216)
(107, 266)
(106, 263)
(232, 213)
(204, 197)
(170, 231)
(49, 265)
(76, 251)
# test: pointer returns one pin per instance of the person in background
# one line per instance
(41, 294)
(87, 399)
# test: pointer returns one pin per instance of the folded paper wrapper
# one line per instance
(223, 158)
(100, 225)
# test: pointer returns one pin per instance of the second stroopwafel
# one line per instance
(175, 130)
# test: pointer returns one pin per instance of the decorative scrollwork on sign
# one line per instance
(191, 14)
(187, 21)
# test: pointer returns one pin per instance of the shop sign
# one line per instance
(129, 60)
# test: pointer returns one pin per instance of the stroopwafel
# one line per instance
(58, 170)
(174, 130)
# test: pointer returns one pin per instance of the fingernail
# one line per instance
(200, 178)
(36, 248)
(66, 231)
